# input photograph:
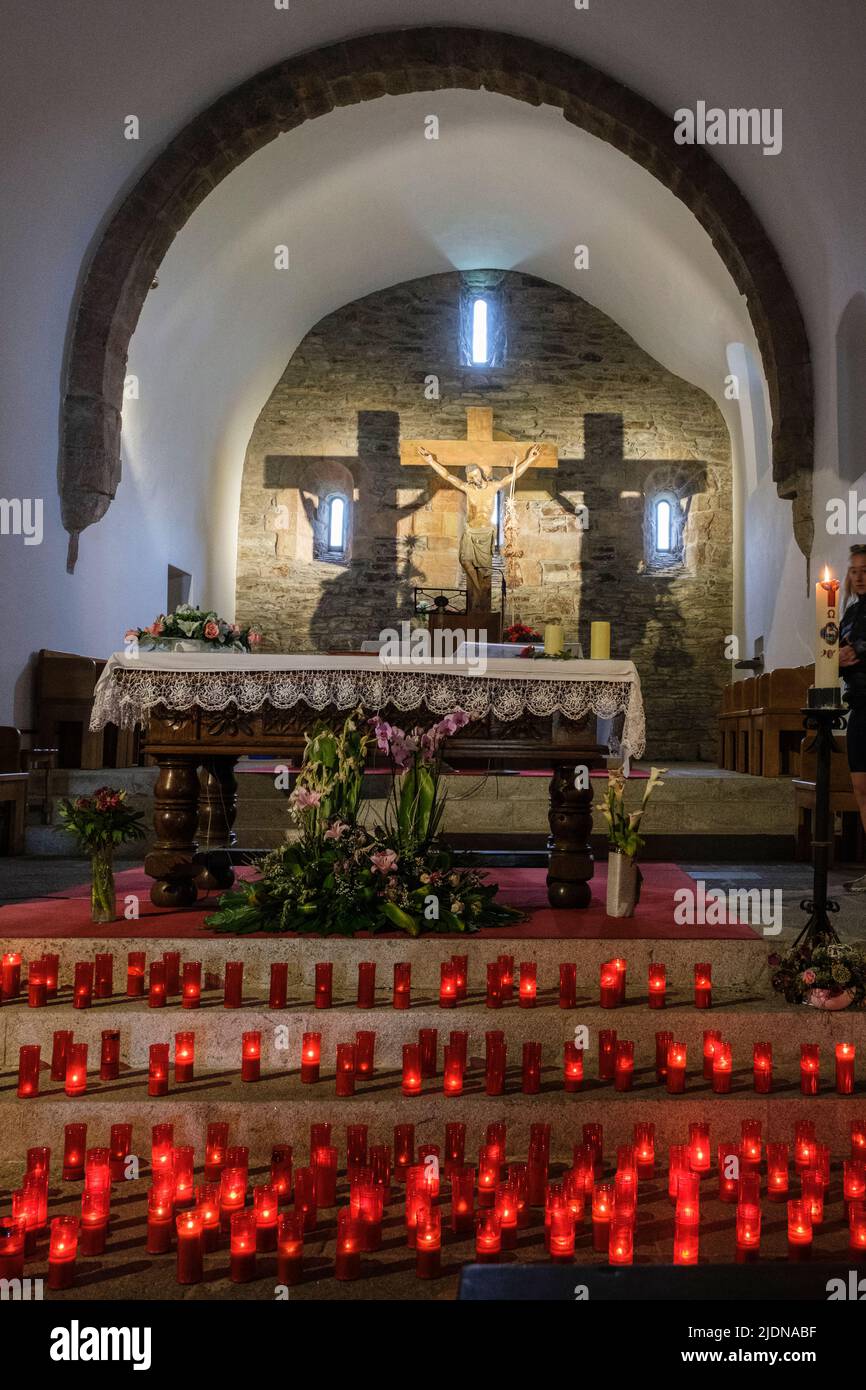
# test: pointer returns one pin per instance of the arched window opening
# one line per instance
(480, 348)
(335, 528)
(663, 527)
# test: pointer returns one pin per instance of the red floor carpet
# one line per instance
(68, 914)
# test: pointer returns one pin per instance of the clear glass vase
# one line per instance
(103, 905)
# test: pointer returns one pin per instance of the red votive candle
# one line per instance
(686, 1245)
(723, 1068)
(13, 1236)
(411, 1085)
(157, 1076)
(325, 1165)
(62, 1252)
(251, 1056)
(488, 1237)
(233, 1194)
(184, 1056)
(290, 1248)
(51, 966)
(93, 1227)
(856, 1233)
(462, 1200)
(97, 1170)
(858, 1138)
(183, 1172)
(608, 987)
(804, 1144)
(506, 977)
(242, 1248)
(678, 1164)
(606, 1054)
(279, 991)
(37, 987)
(751, 1143)
(619, 966)
(593, 1139)
(711, 1037)
(494, 985)
(428, 1244)
(266, 1208)
(135, 966)
(82, 989)
(854, 1180)
(447, 985)
(233, 987)
(656, 985)
(417, 1201)
(645, 1148)
(281, 1171)
(402, 984)
(531, 1070)
(28, 1070)
(624, 1068)
(380, 1167)
(365, 1048)
(311, 1053)
(675, 1080)
(762, 1068)
(162, 1150)
(748, 1231)
(845, 1054)
(567, 985)
(305, 1197)
(76, 1069)
(191, 985)
(103, 975)
(777, 1172)
(602, 1212)
(345, 1078)
(404, 1150)
(495, 1059)
(528, 987)
(729, 1167)
(489, 1169)
(452, 1083)
(700, 1154)
(357, 1141)
(171, 961)
(505, 1206)
(156, 995)
(809, 1069)
(74, 1143)
(324, 987)
(663, 1042)
(461, 968)
(10, 975)
(109, 1055)
(620, 1246)
(572, 1067)
(320, 1137)
(799, 1230)
(428, 1045)
(366, 984)
(703, 985)
(190, 1247)
(347, 1262)
(812, 1194)
(455, 1145)
(119, 1149)
(216, 1143)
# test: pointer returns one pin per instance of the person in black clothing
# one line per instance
(852, 666)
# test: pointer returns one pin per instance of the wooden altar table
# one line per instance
(203, 711)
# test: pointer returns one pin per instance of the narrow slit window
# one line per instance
(480, 348)
(336, 524)
(664, 537)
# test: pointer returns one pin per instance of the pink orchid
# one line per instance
(384, 861)
(304, 798)
(334, 831)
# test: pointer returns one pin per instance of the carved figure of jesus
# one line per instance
(476, 543)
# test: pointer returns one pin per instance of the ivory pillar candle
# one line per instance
(827, 633)
(554, 639)
(599, 641)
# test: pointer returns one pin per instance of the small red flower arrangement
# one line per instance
(519, 632)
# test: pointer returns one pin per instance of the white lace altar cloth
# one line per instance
(131, 686)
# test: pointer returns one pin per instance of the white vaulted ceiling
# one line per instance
(363, 201)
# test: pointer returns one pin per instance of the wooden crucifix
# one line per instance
(478, 454)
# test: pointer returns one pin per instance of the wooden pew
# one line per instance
(63, 690)
(850, 845)
(13, 793)
(776, 721)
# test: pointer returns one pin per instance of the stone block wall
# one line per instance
(387, 367)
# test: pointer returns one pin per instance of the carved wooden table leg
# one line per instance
(218, 797)
(570, 866)
(175, 815)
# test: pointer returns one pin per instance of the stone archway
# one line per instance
(391, 64)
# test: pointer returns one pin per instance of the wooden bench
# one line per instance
(761, 722)
(850, 844)
(13, 793)
(64, 689)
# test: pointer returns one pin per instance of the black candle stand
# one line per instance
(824, 715)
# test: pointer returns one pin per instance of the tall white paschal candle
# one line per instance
(827, 633)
